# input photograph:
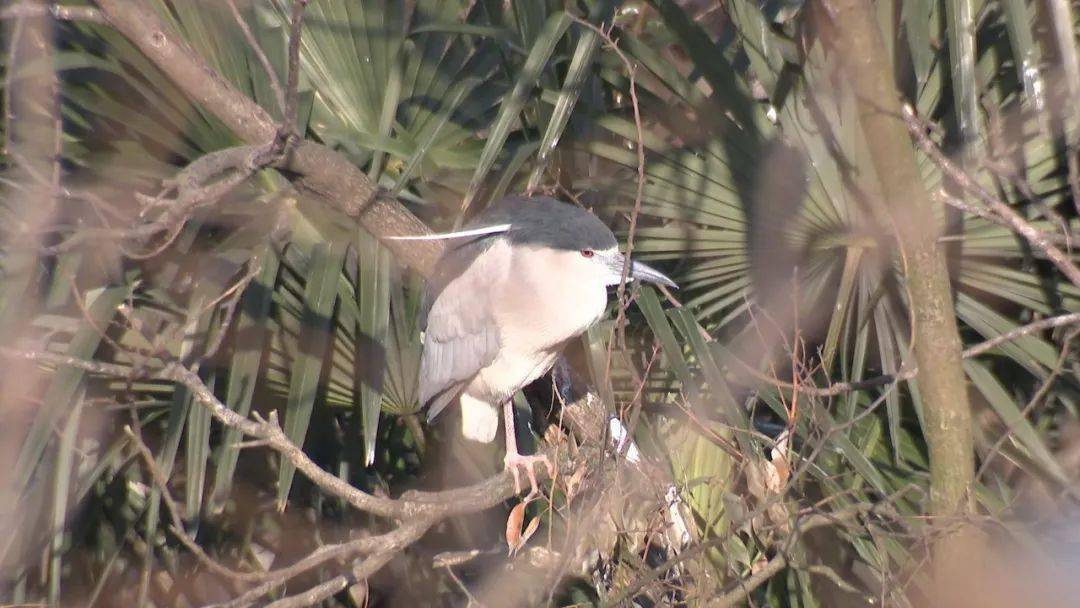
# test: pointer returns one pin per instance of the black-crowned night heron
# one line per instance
(521, 280)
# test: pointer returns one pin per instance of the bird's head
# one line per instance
(581, 243)
(566, 240)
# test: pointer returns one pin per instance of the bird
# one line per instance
(517, 283)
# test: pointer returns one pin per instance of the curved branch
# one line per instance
(477, 497)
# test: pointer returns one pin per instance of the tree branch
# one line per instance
(271, 74)
(840, 388)
(323, 171)
(296, 26)
(382, 548)
(56, 11)
(1007, 214)
(477, 497)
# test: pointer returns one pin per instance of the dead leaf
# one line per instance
(513, 527)
(530, 529)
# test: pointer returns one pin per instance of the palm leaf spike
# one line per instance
(373, 291)
(320, 295)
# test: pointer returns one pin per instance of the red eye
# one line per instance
(587, 253)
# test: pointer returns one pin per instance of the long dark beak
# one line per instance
(642, 272)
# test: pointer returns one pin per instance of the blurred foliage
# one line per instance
(755, 198)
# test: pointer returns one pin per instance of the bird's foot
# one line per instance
(513, 462)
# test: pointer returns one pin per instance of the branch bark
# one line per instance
(56, 11)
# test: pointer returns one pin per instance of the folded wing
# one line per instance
(461, 336)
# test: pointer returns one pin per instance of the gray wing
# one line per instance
(461, 336)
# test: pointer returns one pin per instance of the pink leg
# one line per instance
(514, 461)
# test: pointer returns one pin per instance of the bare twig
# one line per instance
(202, 183)
(232, 296)
(292, 83)
(745, 586)
(176, 514)
(1035, 237)
(839, 388)
(271, 73)
(469, 499)
(312, 596)
(1019, 332)
(1034, 401)
(420, 509)
(620, 293)
(381, 549)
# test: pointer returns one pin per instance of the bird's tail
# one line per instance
(479, 419)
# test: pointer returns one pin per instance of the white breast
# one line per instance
(548, 298)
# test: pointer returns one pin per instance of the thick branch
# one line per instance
(947, 420)
(323, 170)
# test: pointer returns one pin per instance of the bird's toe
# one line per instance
(516, 463)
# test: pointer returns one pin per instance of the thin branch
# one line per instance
(620, 293)
(747, 585)
(1019, 332)
(313, 596)
(839, 388)
(233, 300)
(1014, 220)
(382, 547)
(477, 497)
(1034, 401)
(292, 84)
(204, 182)
(175, 514)
(421, 509)
(271, 73)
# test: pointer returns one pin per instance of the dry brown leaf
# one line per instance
(513, 527)
(530, 529)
